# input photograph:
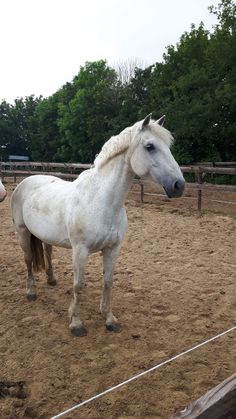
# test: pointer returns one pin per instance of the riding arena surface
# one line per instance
(174, 287)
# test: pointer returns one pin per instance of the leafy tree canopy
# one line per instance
(195, 86)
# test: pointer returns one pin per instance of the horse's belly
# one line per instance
(49, 233)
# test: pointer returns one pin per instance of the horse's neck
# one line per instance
(117, 180)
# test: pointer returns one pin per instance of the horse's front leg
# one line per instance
(109, 259)
(80, 254)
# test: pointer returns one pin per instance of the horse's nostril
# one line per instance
(177, 185)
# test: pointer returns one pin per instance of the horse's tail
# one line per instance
(37, 253)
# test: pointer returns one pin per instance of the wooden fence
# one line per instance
(201, 171)
(70, 171)
(218, 403)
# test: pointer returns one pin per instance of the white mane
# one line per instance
(120, 143)
(116, 145)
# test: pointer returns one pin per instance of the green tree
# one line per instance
(195, 87)
(15, 125)
(86, 121)
(135, 97)
(7, 131)
(45, 133)
(223, 58)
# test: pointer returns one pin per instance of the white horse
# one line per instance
(88, 215)
(3, 192)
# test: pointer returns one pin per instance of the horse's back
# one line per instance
(34, 182)
(25, 188)
(31, 194)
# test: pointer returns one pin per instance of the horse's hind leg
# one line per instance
(48, 262)
(25, 242)
(109, 259)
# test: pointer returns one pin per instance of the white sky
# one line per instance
(44, 42)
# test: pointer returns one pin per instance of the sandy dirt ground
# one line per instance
(174, 287)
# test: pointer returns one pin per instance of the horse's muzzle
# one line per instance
(175, 189)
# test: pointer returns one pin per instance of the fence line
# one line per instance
(135, 377)
(70, 171)
(198, 170)
(199, 187)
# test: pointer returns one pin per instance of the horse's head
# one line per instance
(3, 192)
(150, 155)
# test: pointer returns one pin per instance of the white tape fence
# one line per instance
(135, 377)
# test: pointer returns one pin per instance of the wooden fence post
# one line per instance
(198, 177)
(142, 191)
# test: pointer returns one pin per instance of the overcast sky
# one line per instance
(44, 42)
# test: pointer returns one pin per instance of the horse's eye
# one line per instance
(150, 147)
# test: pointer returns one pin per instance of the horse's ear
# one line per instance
(161, 120)
(146, 121)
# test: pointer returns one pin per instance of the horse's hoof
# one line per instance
(114, 327)
(31, 297)
(52, 283)
(78, 331)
